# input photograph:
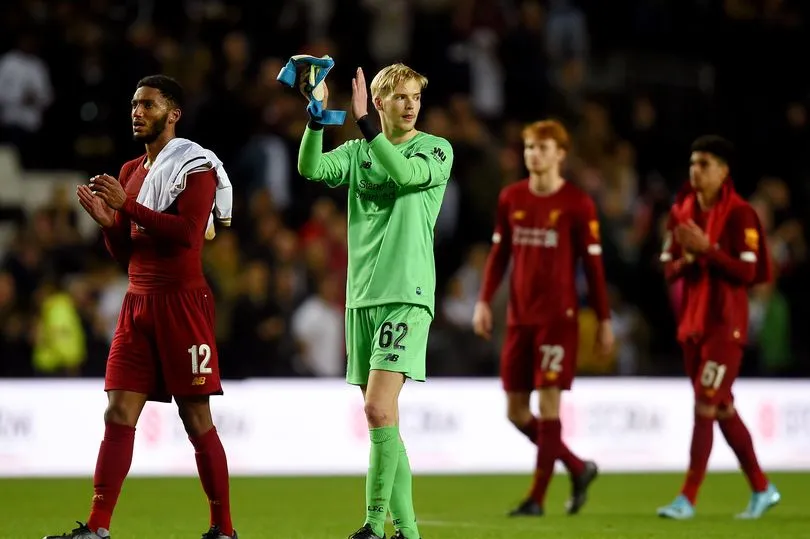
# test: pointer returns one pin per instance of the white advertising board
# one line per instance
(272, 427)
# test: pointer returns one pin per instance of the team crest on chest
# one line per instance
(517, 215)
(553, 217)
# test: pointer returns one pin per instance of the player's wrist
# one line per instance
(367, 127)
(314, 125)
(710, 255)
(127, 206)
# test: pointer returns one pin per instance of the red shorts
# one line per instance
(165, 346)
(540, 356)
(712, 365)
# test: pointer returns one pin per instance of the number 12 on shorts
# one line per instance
(201, 352)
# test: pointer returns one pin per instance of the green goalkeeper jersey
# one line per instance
(395, 193)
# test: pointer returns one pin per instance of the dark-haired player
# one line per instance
(715, 243)
(164, 345)
(545, 227)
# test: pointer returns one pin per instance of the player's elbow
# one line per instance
(414, 173)
(305, 171)
(672, 272)
(187, 235)
(404, 180)
(306, 167)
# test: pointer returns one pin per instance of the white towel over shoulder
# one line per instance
(166, 179)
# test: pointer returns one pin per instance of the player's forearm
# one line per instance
(174, 228)
(404, 171)
(313, 163)
(310, 153)
(735, 269)
(117, 239)
(597, 286)
(673, 269)
(118, 247)
(494, 271)
(193, 209)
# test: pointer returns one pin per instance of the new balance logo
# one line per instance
(198, 381)
(439, 154)
(366, 165)
(393, 358)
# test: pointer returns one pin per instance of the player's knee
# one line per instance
(121, 414)
(706, 410)
(519, 418)
(379, 415)
(518, 408)
(196, 416)
(549, 411)
(725, 412)
(550, 403)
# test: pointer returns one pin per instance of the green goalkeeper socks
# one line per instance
(402, 497)
(382, 468)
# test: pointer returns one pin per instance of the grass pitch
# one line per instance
(449, 507)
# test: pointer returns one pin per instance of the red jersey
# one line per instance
(545, 236)
(716, 283)
(162, 250)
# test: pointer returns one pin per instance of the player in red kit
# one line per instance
(545, 226)
(164, 345)
(715, 243)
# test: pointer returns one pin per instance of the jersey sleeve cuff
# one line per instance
(128, 205)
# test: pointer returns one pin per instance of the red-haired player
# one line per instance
(545, 225)
(715, 243)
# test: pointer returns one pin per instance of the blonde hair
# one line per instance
(392, 76)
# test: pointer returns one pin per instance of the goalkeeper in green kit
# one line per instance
(396, 180)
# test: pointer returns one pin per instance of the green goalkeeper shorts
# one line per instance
(389, 338)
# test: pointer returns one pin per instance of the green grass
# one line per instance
(449, 507)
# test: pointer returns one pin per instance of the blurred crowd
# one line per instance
(634, 81)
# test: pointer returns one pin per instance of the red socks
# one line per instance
(549, 444)
(112, 466)
(572, 463)
(738, 437)
(115, 458)
(702, 434)
(212, 466)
